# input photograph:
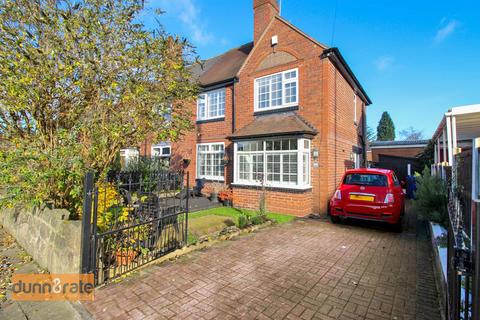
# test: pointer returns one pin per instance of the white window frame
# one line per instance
(357, 161)
(476, 170)
(207, 105)
(129, 154)
(161, 147)
(209, 177)
(284, 81)
(301, 150)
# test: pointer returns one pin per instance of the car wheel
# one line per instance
(334, 219)
(398, 227)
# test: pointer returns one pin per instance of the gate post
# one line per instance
(186, 209)
(86, 259)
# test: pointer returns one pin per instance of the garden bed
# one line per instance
(213, 222)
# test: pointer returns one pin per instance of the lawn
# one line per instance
(209, 221)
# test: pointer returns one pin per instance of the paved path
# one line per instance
(305, 270)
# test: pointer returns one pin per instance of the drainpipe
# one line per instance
(233, 105)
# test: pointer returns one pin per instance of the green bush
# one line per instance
(431, 202)
(242, 221)
(256, 220)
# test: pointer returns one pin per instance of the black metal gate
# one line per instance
(130, 219)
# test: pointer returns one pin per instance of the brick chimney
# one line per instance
(263, 12)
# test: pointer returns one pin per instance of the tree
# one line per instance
(386, 128)
(426, 157)
(371, 136)
(411, 134)
(78, 81)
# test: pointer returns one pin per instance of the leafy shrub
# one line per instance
(259, 219)
(110, 209)
(146, 165)
(431, 202)
(229, 222)
(242, 221)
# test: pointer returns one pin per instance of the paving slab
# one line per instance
(309, 269)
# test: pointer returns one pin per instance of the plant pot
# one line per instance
(227, 203)
(214, 197)
(125, 257)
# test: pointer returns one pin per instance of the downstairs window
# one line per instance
(274, 162)
(210, 161)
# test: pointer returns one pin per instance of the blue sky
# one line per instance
(415, 59)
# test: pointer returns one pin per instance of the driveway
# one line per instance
(308, 269)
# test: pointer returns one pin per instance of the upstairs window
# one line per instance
(211, 105)
(276, 91)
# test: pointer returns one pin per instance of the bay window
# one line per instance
(210, 161)
(211, 105)
(277, 90)
(274, 162)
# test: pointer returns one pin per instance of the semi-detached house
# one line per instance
(284, 110)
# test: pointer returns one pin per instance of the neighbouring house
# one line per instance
(399, 156)
(284, 111)
(161, 150)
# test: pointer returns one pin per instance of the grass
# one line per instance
(235, 213)
(209, 221)
(208, 224)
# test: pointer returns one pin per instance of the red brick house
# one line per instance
(284, 109)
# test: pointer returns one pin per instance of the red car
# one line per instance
(369, 194)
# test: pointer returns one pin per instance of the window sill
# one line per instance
(277, 187)
(212, 179)
(259, 112)
(210, 120)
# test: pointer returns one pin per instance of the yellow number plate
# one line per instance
(361, 197)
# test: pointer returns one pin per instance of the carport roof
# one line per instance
(467, 120)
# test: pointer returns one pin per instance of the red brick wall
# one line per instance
(264, 11)
(298, 203)
(325, 101)
(398, 152)
(343, 133)
(206, 132)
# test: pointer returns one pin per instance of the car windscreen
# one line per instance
(366, 179)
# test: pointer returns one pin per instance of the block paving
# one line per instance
(309, 269)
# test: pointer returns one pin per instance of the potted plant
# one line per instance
(226, 197)
(125, 256)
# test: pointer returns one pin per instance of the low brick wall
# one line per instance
(288, 201)
(52, 240)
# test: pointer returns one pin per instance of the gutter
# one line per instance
(218, 84)
(334, 55)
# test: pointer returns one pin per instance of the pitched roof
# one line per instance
(279, 124)
(337, 59)
(223, 67)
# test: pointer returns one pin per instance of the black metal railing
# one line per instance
(132, 218)
(460, 277)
